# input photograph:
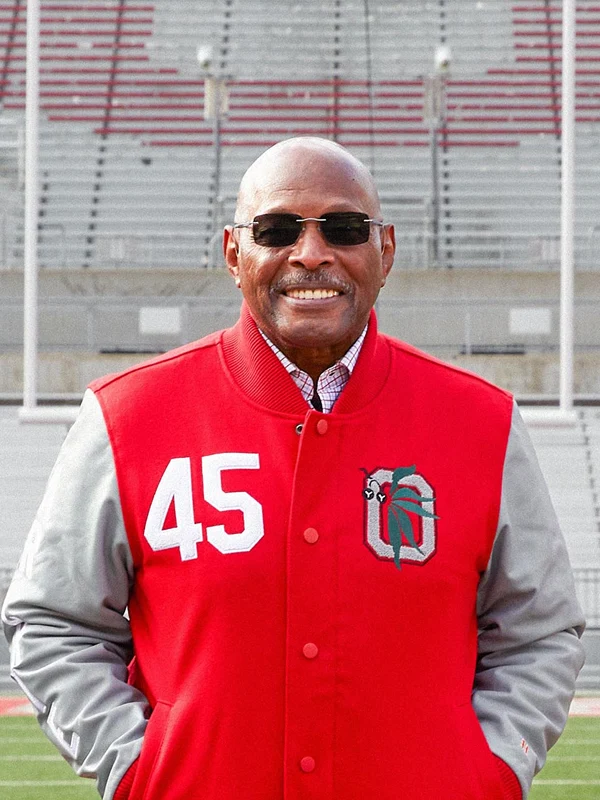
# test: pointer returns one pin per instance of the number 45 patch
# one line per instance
(175, 487)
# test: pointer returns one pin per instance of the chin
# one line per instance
(310, 333)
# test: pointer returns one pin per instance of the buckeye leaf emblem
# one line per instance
(403, 502)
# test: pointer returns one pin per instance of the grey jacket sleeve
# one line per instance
(530, 623)
(64, 614)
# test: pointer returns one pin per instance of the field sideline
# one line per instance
(31, 769)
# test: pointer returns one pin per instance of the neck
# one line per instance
(313, 362)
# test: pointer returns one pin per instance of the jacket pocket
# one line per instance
(151, 749)
(481, 772)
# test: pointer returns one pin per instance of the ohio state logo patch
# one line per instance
(400, 518)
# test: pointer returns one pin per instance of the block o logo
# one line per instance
(401, 503)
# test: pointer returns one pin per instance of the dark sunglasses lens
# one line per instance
(346, 228)
(339, 228)
(276, 230)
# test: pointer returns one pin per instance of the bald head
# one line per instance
(292, 164)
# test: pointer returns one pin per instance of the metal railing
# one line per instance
(62, 246)
(58, 249)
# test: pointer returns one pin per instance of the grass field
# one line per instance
(31, 769)
(572, 771)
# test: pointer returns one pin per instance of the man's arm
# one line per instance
(529, 621)
(64, 611)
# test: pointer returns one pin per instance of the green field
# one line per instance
(572, 771)
(31, 769)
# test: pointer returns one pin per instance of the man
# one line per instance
(343, 574)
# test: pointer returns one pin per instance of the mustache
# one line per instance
(311, 280)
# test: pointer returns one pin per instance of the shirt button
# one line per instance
(311, 535)
(310, 650)
(322, 426)
(307, 764)
(298, 428)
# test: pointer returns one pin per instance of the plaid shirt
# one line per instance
(331, 382)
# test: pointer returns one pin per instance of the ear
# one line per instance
(231, 253)
(388, 250)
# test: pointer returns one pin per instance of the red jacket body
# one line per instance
(289, 651)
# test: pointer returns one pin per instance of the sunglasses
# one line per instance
(340, 228)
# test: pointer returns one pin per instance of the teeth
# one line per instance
(312, 294)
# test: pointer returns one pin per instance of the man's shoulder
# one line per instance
(161, 366)
(444, 373)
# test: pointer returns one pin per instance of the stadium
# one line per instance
(119, 167)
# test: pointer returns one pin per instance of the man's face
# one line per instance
(311, 298)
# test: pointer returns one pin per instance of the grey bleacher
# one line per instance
(67, 191)
(26, 459)
(128, 170)
(570, 461)
(480, 35)
(397, 41)
(263, 36)
(161, 212)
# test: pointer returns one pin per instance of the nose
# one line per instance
(311, 250)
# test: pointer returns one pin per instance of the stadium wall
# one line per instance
(503, 325)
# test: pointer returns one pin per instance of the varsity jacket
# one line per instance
(226, 594)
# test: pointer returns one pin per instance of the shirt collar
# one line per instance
(331, 381)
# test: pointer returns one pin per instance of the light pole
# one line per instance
(30, 334)
(567, 260)
(434, 114)
(565, 414)
(216, 106)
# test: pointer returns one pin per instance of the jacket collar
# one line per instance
(260, 375)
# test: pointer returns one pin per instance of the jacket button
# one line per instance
(307, 764)
(322, 426)
(310, 650)
(298, 428)
(311, 535)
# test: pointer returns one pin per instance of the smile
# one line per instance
(312, 294)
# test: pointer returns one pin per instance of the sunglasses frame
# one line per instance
(300, 220)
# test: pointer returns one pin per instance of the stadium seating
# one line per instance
(125, 144)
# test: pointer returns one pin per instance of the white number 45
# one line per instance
(175, 487)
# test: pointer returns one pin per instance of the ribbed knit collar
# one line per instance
(260, 375)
